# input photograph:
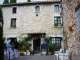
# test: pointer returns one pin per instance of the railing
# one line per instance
(45, 0)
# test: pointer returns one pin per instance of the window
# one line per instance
(14, 9)
(56, 8)
(57, 21)
(37, 9)
(57, 41)
(13, 23)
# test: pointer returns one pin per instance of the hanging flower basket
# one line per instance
(70, 28)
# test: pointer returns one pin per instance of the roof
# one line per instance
(30, 3)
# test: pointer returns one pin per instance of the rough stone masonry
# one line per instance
(71, 28)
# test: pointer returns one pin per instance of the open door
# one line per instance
(36, 45)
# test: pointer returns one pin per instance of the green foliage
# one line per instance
(51, 46)
(1, 37)
(28, 38)
(31, 52)
(6, 2)
(55, 24)
(0, 14)
(24, 43)
(12, 1)
(28, 0)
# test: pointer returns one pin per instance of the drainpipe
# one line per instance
(61, 5)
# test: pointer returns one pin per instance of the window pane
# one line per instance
(59, 21)
(59, 18)
(37, 8)
(55, 18)
(55, 21)
(56, 8)
(59, 41)
(14, 9)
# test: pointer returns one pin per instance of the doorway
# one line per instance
(36, 45)
(36, 37)
(13, 38)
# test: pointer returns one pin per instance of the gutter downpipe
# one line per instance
(62, 25)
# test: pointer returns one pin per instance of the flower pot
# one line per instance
(21, 54)
(43, 53)
(28, 52)
(25, 53)
(49, 53)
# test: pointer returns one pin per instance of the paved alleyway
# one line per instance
(36, 58)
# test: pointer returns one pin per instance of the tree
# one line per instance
(28, 0)
(12, 1)
(6, 2)
(1, 36)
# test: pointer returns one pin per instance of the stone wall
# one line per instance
(28, 22)
(71, 28)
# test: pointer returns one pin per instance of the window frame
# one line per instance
(58, 21)
(56, 40)
(56, 9)
(36, 9)
(13, 24)
(14, 10)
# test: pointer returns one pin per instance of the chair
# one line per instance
(57, 53)
(64, 56)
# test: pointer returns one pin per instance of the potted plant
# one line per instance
(31, 52)
(51, 47)
(55, 24)
(21, 54)
(25, 45)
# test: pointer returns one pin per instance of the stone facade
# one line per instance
(27, 20)
(71, 28)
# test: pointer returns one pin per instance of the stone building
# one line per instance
(33, 18)
(71, 27)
